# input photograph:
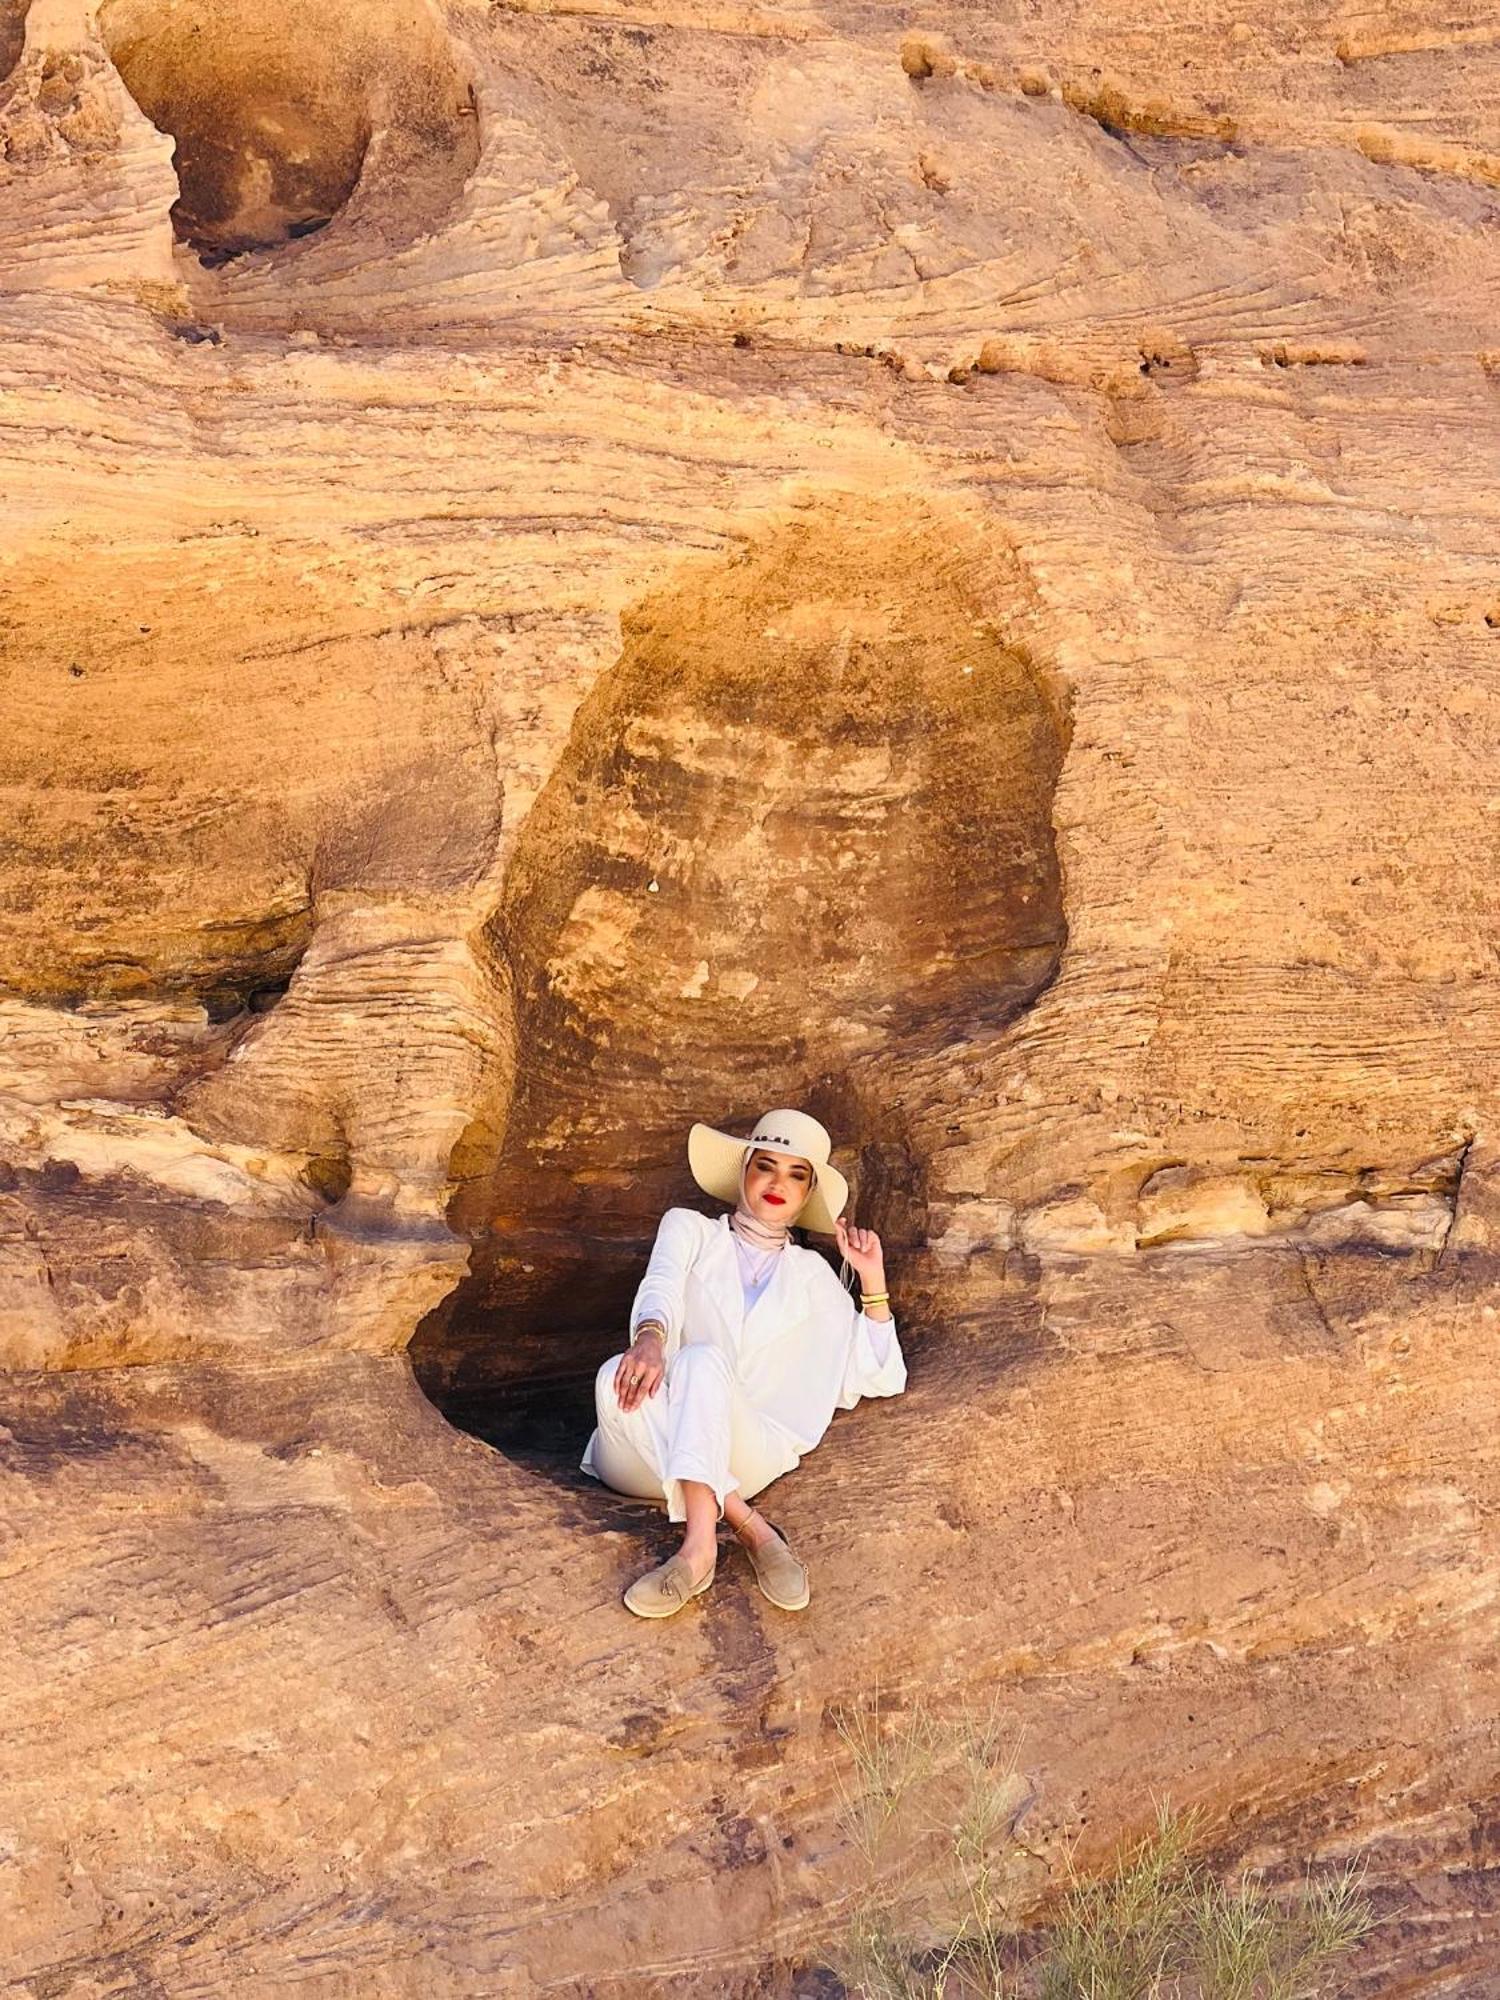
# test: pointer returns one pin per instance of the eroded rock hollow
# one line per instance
(570, 571)
(281, 114)
(799, 839)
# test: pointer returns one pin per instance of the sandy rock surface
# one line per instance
(571, 569)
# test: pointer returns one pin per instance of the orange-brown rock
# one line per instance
(570, 569)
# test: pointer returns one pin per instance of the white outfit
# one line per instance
(755, 1370)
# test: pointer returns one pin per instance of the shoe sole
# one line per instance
(671, 1610)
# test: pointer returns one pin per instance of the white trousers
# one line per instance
(698, 1425)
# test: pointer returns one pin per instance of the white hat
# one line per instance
(717, 1157)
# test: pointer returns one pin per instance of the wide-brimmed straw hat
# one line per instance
(716, 1158)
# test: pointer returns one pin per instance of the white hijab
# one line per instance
(770, 1238)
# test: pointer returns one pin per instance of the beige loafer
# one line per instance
(665, 1589)
(781, 1577)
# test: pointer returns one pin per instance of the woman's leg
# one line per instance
(674, 1444)
(757, 1456)
(697, 1444)
(747, 1522)
(628, 1446)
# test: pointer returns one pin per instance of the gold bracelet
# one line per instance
(874, 1298)
(649, 1326)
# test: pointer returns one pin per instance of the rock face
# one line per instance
(572, 570)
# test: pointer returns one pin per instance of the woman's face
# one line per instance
(776, 1185)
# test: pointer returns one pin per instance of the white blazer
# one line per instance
(802, 1351)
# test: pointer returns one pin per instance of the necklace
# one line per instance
(756, 1260)
(758, 1266)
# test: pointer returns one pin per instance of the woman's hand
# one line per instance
(642, 1367)
(862, 1249)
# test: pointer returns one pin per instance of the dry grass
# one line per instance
(939, 1801)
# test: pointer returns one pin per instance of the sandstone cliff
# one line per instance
(573, 567)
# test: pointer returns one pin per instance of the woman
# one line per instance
(743, 1344)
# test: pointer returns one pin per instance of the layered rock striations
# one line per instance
(570, 569)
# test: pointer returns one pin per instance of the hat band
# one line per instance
(769, 1139)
